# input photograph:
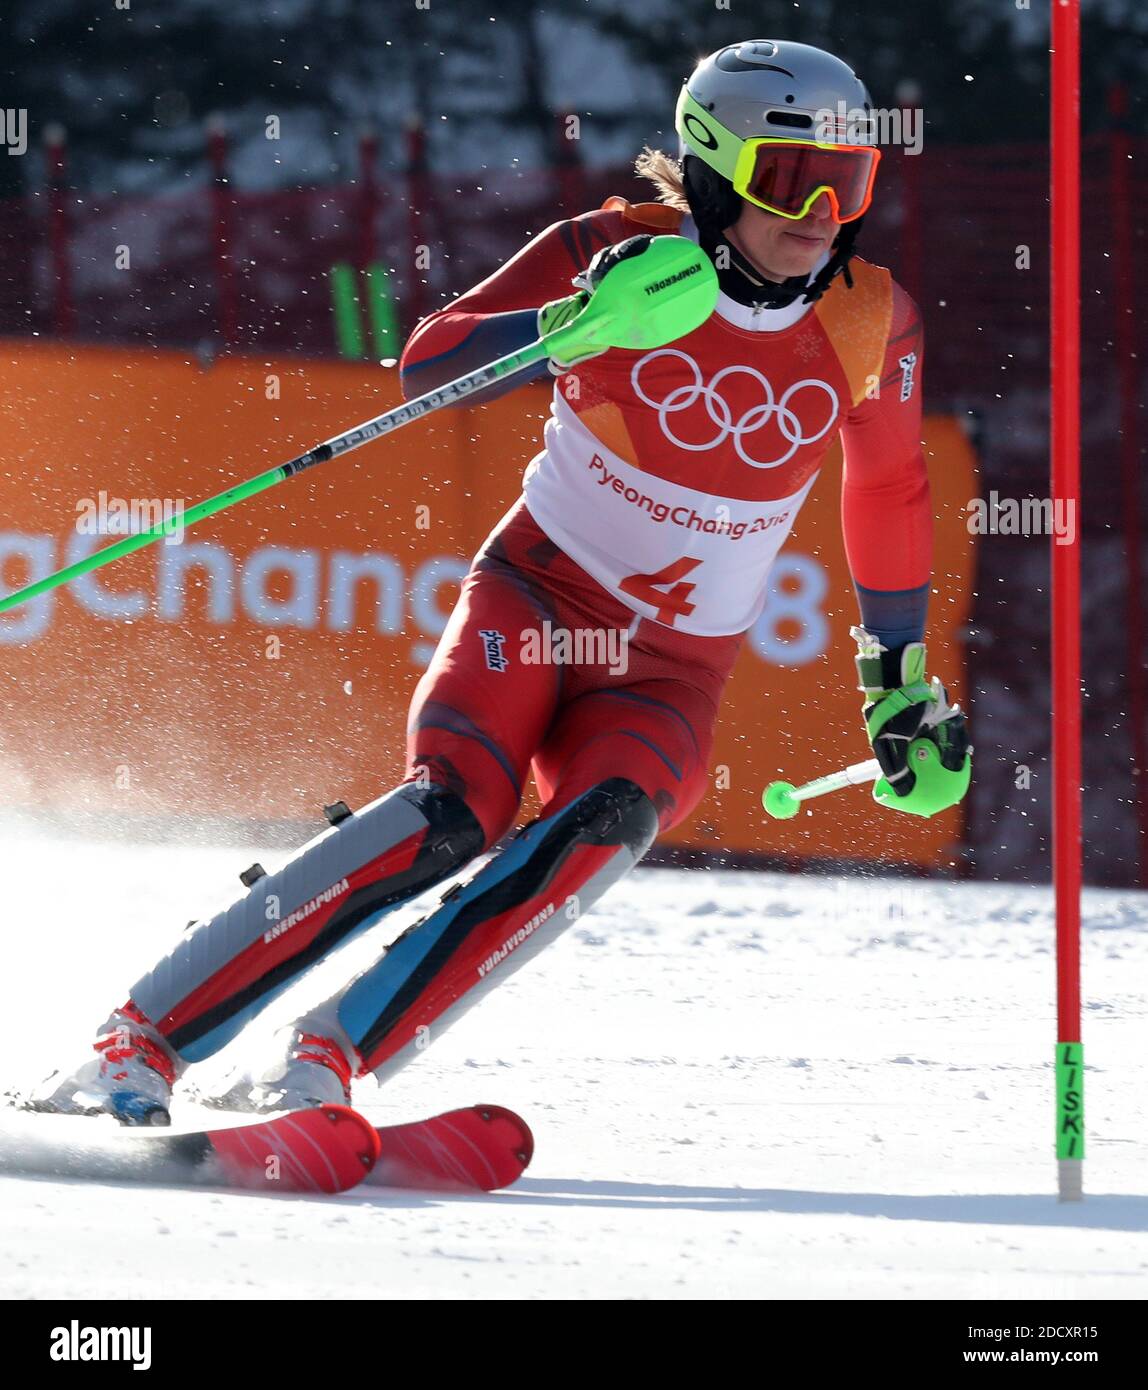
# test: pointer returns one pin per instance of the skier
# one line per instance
(665, 487)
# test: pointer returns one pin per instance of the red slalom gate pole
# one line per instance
(1066, 718)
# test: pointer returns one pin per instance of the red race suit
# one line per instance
(667, 483)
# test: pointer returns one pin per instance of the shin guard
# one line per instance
(229, 967)
(550, 873)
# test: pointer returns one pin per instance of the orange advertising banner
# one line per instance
(260, 665)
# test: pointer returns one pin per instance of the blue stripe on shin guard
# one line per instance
(210, 1043)
(615, 812)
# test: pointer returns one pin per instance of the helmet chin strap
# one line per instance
(715, 206)
(744, 283)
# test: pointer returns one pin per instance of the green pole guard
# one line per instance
(645, 301)
(935, 787)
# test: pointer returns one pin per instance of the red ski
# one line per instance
(329, 1149)
(473, 1150)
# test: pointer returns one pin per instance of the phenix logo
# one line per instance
(521, 935)
(293, 918)
(76, 1343)
(492, 644)
(908, 365)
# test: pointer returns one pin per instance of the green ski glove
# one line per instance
(557, 313)
(920, 740)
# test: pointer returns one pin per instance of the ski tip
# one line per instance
(478, 1149)
(491, 1114)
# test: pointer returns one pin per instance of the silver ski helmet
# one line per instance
(776, 123)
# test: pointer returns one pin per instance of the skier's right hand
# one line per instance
(606, 259)
(557, 313)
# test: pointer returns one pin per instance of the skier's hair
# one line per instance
(665, 174)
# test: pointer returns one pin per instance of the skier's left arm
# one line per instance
(537, 291)
(887, 524)
(886, 511)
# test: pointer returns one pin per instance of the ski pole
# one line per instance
(783, 800)
(647, 300)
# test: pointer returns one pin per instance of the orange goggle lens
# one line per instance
(787, 176)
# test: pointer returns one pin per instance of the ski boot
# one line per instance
(312, 1063)
(131, 1076)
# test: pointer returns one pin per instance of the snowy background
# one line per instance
(741, 1085)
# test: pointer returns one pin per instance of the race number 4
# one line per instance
(674, 602)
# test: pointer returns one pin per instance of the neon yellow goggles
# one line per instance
(783, 176)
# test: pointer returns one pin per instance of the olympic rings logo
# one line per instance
(718, 409)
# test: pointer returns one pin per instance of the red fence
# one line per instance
(966, 231)
(231, 268)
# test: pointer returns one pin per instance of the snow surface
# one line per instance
(741, 1085)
